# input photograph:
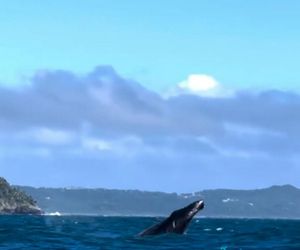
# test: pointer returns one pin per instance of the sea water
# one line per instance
(97, 232)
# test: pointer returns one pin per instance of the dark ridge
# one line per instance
(273, 202)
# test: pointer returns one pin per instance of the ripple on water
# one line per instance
(86, 232)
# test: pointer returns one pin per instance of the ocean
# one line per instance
(97, 232)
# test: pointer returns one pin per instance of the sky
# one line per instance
(174, 96)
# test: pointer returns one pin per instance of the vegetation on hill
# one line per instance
(273, 202)
(15, 201)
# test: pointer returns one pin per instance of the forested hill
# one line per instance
(273, 202)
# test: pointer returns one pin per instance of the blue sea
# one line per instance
(96, 232)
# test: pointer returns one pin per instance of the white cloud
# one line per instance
(126, 146)
(199, 83)
(96, 144)
(51, 136)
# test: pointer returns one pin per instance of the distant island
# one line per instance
(15, 201)
(272, 202)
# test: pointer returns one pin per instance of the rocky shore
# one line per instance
(15, 201)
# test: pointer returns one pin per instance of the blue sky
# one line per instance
(157, 95)
(253, 44)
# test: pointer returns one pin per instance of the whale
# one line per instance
(177, 222)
